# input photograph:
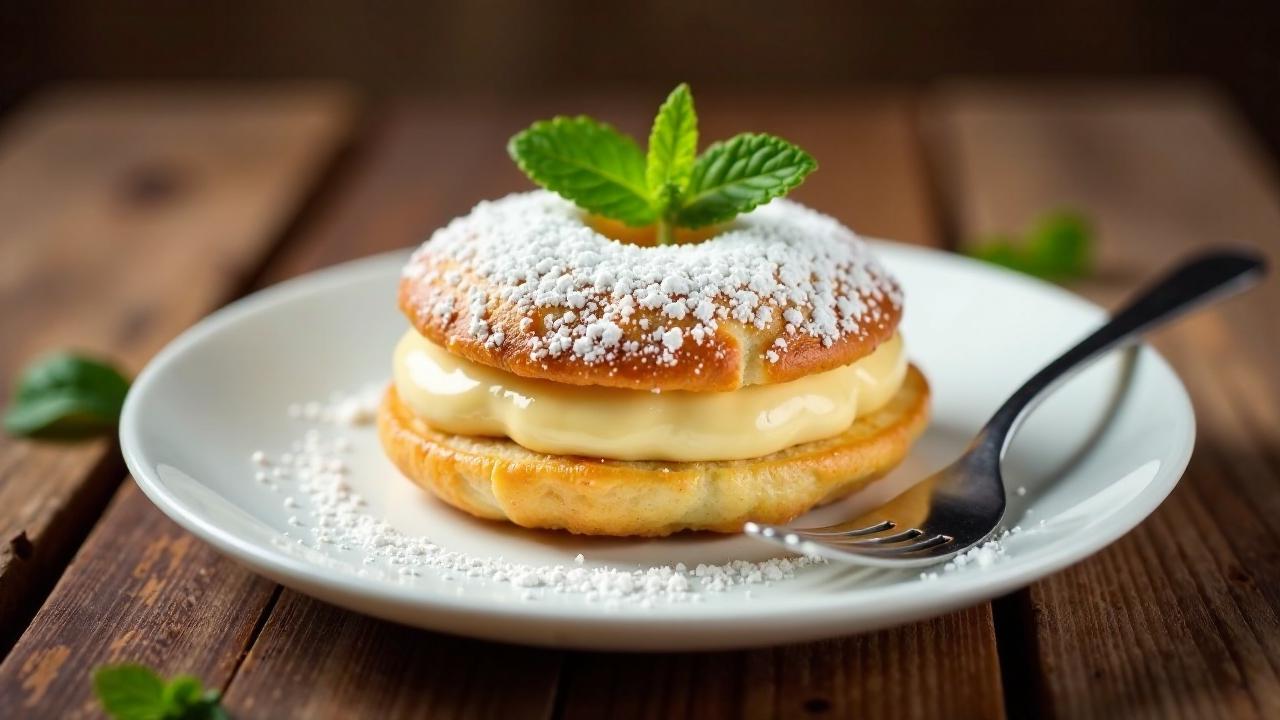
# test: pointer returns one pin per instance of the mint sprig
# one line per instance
(64, 397)
(135, 692)
(604, 172)
(1058, 246)
(740, 174)
(673, 144)
(588, 162)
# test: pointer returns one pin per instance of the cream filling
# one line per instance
(456, 395)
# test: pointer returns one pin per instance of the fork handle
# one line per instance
(1212, 276)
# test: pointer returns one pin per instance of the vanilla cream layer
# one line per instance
(455, 395)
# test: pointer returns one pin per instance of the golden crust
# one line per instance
(497, 479)
(731, 356)
(528, 285)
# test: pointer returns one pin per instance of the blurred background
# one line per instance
(1090, 142)
(509, 46)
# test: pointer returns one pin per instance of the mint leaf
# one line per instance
(673, 145)
(135, 692)
(1005, 254)
(589, 163)
(737, 175)
(130, 692)
(604, 172)
(188, 700)
(182, 692)
(1059, 246)
(66, 396)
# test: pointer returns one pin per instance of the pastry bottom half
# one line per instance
(496, 479)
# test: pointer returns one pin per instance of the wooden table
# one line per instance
(126, 214)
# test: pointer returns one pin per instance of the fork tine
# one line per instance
(916, 553)
(925, 544)
(835, 531)
(910, 534)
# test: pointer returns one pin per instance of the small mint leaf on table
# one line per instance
(183, 691)
(588, 162)
(1000, 250)
(64, 397)
(673, 143)
(130, 692)
(740, 174)
(135, 692)
(1059, 246)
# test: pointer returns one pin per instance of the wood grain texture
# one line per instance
(140, 590)
(314, 660)
(933, 669)
(873, 178)
(128, 214)
(1182, 616)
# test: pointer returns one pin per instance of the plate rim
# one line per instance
(698, 620)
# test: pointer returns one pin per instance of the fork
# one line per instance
(967, 500)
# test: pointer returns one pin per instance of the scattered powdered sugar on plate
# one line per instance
(343, 409)
(981, 555)
(324, 510)
(323, 507)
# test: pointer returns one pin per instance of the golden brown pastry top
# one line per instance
(525, 285)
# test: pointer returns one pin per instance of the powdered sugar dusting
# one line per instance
(982, 555)
(312, 479)
(349, 409)
(781, 267)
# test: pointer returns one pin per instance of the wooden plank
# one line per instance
(423, 163)
(317, 661)
(166, 600)
(127, 214)
(1182, 616)
(872, 176)
(940, 668)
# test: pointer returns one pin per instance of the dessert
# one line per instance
(629, 355)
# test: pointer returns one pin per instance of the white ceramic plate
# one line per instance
(1095, 460)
